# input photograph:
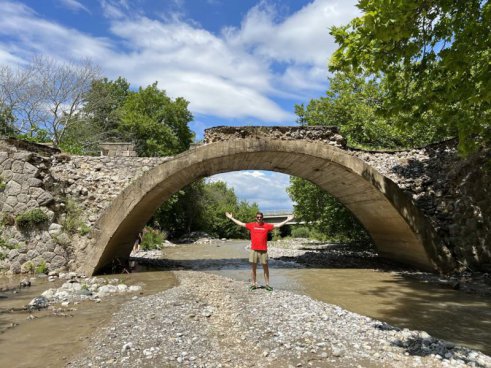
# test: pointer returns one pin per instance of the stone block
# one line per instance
(3, 157)
(7, 164)
(18, 167)
(58, 262)
(32, 204)
(7, 208)
(34, 182)
(23, 198)
(30, 169)
(7, 175)
(35, 192)
(11, 201)
(48, 256)
(15, 267)
(45, 198)
(13, 188)
(13, 254)
(20, 207)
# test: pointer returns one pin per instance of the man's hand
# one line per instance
(229, 215)
(289, 218)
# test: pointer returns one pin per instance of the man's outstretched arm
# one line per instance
(229, 215)
(289, 218)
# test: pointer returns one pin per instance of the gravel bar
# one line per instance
(213, 321)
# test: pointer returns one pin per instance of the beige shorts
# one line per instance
(256, 256)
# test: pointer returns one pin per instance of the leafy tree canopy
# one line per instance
(158, 124)
(323, 212)
(434, 56)
(352, 103)
(201, 207)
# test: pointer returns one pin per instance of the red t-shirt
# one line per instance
(259, 234)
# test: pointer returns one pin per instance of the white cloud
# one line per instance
(232, 75)
(74, 5)
(266, 188)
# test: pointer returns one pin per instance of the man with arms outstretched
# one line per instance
(259, 244)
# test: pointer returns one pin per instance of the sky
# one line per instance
(238, 62)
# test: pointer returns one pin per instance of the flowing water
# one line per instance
(452, 315)
(406, 303)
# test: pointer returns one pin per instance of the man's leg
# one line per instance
(253, 273)
(266, 273)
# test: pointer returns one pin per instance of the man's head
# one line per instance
(259, 217)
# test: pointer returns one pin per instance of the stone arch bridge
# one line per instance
(402, 198)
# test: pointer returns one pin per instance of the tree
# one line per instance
(201, 206)
(157, 124)
(46, 95)
(352, 103)
(103, 103)
(434, 56)
(99, 120)
(323, 212)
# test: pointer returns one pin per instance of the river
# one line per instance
(444, 313)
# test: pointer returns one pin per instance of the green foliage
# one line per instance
(99, 119)
(27, 267)
(73, 219)
(353, 103)
(434, 59)
(152, 239)
(6, 244)
(201, 207)
(30, 219)
(84, 229)
(3, 256)
(300, 232)
(157, 124)
(103, 105)
(7, 120)
(3, 185)
(324, 213)
(41, 267)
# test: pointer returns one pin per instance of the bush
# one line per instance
(84, 229)
(152, 239)
(300, 232)
(30, 219)
(41, 267)
(72, 219)
(3, 185)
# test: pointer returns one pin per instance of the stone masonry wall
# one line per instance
(69, 190)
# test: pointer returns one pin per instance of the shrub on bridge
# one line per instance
(30, 219)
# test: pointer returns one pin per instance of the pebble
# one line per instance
(232, 327)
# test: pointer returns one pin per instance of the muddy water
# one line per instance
(49, 340)
(448, 314)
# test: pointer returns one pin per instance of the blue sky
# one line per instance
(238, 62)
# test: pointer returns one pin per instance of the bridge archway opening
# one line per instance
(395, 225)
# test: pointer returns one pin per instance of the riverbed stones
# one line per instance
(210, 320)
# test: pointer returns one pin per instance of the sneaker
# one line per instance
(268, 288)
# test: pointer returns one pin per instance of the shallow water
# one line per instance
(444, 313)
(48, 340)
(452, 315)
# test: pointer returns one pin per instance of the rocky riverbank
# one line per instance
(212, 321)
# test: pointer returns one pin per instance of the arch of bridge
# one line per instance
(397, 227)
